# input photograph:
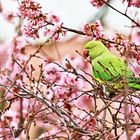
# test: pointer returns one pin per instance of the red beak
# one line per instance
(86, 56)
(85, 53)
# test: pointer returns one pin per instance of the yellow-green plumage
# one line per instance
(108, 67)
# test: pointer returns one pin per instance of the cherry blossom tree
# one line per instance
(43, 98)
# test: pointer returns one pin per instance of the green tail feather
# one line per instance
(134, 83)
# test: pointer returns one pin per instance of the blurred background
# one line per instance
(74, 14)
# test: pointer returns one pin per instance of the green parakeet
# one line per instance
(109, 69)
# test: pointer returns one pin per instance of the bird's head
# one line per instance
(95, 48)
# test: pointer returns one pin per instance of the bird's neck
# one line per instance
(96, 55)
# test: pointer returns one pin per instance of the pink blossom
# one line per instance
(55, 32)
(98, 3)
(109, 136)
(29, 9)
(80, 63)
(66, 84)
(93, 30)
(136, 135)
(11, 117)
(85, 102)
(135, 3)
(30, 31)
(135, 67)
(53, 18)
(16, 58)
(133, 112)
(121, 43)
(9, 16)
(119, 39)
(20, 43)
(36, 21)
(135, 35)
(17, 50)
(52, 72)
(9, 121)
(4, 55)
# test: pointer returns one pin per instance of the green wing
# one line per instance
(108, 67)
(134, 82)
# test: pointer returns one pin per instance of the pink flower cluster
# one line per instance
(13, 61)
(98, 3)
(133, 113)
(135, 67)
(136, 135)
(56, 32)
(135, 3)
(16, 117)
(4, 53)
(7, 14)
(12, 70)
(37, 21)
(65, 83)
(93, 30)
(29, 9)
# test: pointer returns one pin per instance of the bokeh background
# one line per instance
(74, 14)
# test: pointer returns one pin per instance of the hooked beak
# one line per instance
(86, 55)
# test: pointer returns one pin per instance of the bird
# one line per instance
(110, 70)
